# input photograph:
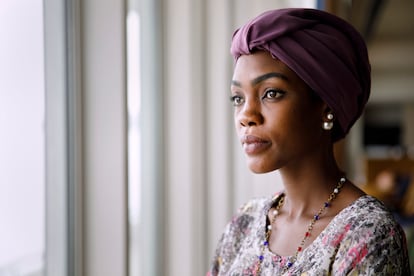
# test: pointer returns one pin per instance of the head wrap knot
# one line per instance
(325, 51)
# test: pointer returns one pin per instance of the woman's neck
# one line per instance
(307, 187)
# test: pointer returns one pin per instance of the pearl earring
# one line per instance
(328, 125)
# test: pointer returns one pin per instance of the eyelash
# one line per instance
(234, 98)
(277, 94)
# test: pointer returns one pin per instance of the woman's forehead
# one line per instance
(260, 65)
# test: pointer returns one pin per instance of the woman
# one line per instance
(301, 79)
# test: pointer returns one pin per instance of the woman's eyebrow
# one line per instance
(261, 78)
(236, 83)
(268, 76)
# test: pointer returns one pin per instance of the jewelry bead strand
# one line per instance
(268, 232)
(299, 249)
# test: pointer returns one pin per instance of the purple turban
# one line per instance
(326, 52)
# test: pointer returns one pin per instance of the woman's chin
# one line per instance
(259, 169)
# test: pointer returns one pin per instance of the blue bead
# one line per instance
(289, 264)
(261, 257)
(266, 243)
(316, 217)
(326, 204)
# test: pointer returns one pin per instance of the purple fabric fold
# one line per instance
(325, 51)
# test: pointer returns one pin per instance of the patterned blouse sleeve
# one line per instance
(231, 241)
(375, 248)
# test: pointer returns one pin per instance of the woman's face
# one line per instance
(278, 120)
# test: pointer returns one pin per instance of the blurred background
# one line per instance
(117, 150)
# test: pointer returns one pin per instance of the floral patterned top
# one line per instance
(363, 239)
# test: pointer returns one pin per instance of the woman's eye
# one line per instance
(273, 94)
(236, 100)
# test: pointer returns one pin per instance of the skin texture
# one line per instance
(279, 120)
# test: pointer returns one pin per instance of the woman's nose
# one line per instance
(250, 114)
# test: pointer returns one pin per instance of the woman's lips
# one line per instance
(253, 144)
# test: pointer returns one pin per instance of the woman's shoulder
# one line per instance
(255, 206)
(368, 210)
(368, 237)
(366, 215)
(367, 219)
(240, 230)
(249, 215)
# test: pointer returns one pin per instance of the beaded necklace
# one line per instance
(315, 218)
